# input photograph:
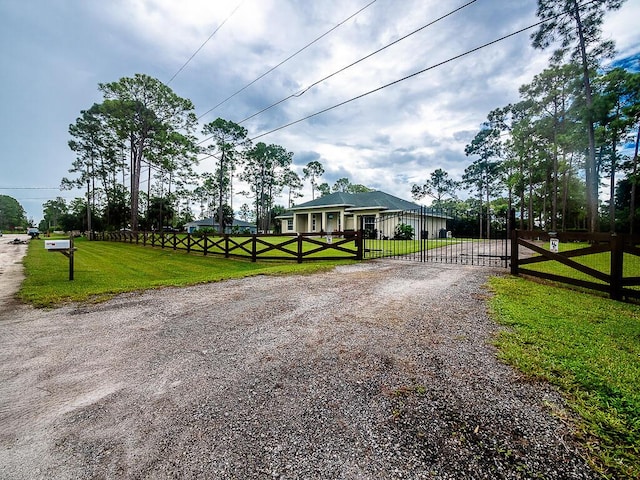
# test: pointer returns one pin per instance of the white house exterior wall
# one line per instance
(385, 222)
(430, 225)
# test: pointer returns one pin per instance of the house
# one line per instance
(376, 212)
(210, 222)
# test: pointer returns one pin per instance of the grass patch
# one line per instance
(588, 346)
(104, 269)
(383, 248)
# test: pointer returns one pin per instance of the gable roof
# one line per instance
(365, 200)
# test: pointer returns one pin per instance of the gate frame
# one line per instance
(452, 249)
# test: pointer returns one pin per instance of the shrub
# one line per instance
(204, 230)
(403, 232)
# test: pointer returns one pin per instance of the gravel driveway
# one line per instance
(379, 370)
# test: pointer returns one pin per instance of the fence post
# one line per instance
(206, 243)
(188, 242)
(514, 252)
(254, 247)
(299, 248)
(359, 245)
(226, 245)
(617, 256)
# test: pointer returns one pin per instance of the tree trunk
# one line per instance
(136, 165)
(488, 212)
(221, 196)
(530, 212)
(612, 186)
(592, 180)
(634, 183)
(554, 181)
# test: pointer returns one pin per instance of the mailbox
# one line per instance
(57, 244)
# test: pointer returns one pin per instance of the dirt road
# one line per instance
(380, 370)
(11, 272)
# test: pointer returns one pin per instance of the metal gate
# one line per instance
(435, 235)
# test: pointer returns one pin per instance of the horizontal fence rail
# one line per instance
(604, 262)
(299, 247)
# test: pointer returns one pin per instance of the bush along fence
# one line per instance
(604, 262)
(299, 247)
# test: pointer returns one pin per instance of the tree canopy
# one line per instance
(12, 215)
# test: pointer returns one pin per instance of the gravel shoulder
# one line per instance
(379, 370)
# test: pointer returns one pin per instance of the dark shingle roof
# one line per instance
(359, 200)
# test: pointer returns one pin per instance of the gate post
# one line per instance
(514, 252)
(359, 245)
(300, 251)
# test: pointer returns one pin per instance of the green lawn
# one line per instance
(102, 269)
(587, 345)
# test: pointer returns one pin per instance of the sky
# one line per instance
(56, 52)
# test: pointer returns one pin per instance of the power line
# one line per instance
(404, 78)
(468, 52)
(305, 90)
(204, 43)
(29, 188)
(287, 59)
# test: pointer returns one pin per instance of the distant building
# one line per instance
(210, 222)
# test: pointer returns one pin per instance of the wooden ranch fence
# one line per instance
(608, 263)
(299, 247)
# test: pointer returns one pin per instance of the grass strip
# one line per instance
(588, 346)
(104, 269)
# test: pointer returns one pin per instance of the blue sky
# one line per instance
(55, 52)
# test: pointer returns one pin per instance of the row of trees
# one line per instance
(546, 154)
(143, 128)
(143, 133)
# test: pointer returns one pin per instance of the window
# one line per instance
(290, 224)
(369, 222)
(313, 223)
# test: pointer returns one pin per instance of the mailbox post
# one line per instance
(65, 247)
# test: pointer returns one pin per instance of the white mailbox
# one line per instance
(57, 244)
